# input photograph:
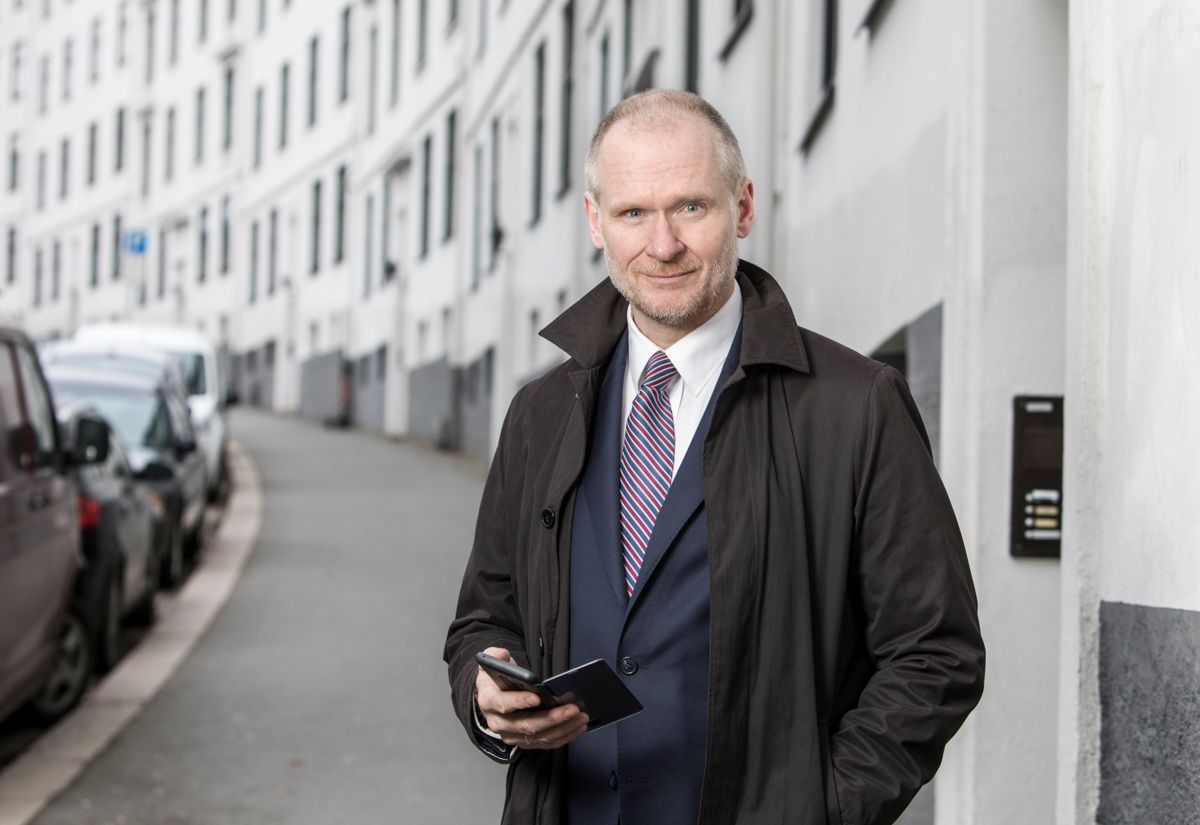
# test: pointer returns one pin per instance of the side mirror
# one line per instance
(87, 440)
(184, 444)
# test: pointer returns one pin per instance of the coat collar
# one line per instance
(589, 329)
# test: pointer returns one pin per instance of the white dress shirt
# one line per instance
(698, 356)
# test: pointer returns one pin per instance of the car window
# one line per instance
(117, 465)
(41, 411)
(181, 421)
(10, 408)
(193, 370)
(136, 415)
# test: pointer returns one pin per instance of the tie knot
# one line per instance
(659, 372)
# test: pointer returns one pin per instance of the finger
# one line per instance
(500, 653)
(543, 727)
(550, 738)
(492, 699)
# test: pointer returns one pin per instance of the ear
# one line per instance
(745, 208)
(593, 215)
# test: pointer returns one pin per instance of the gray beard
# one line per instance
(705, 303)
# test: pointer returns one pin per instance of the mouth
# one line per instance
(666, 276)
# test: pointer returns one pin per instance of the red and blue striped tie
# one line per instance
(647, 459)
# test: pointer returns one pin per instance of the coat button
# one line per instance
(612, 780)
(629, 666)
(547, 518)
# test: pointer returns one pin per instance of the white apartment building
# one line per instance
(374, 205)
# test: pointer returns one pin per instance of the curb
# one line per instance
(61, 753)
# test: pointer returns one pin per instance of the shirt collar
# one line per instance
(697, 356)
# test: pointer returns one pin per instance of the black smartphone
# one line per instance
(594, 686)
(511, 676)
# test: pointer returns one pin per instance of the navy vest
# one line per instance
(648, 769)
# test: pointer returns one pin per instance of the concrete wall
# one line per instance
(1132, 447)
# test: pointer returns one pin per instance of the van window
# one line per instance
(193, 371)
(41, 412)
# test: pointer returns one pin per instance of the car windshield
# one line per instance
(193, 372)
(137, 416)
(128, 363)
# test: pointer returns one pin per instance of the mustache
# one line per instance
(663, 271)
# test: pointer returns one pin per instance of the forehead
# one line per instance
(640, 159)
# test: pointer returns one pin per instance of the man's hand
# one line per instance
(510, 713)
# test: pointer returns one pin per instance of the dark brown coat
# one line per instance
(844, 643)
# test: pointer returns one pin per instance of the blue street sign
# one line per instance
(135, 241)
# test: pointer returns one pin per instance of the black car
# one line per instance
(119, 523)
(152, 423)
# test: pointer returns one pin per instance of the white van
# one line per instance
(198, 359)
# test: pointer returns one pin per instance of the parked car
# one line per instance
(126, 357)
(153, 426)
(45, 650)
(202, 378)
(120, 530)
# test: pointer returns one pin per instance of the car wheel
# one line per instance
(69, 677)
(171, 573)
(108, 633)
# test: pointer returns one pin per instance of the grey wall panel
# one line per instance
(320, 387)
(433, 404)
(1149, 715)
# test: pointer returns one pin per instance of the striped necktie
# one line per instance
(647, 459)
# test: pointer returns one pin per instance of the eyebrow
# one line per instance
(618, 208)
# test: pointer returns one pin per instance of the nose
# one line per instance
(665, 244)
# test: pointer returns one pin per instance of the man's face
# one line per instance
(668, 224)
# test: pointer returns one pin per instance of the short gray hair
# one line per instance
(659, 107)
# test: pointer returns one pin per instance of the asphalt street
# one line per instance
(318, 695)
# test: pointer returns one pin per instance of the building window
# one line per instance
(272, 250)
(313, 75)
(539, 129)
(55, 270)
(691, 51)
(564, 149)
(10, 256)
(339, 216)
(262, 16)
(605, 71)
(203, 23)
(94, 52)
(451, 174)
(169, 147)
(122, 31)
(37, 277)
(315, 237)
(225, 235)
(116, 248)
(227, 117)
(495, 233)
(68, 53)
(743, 11)
(481, 43)
(258, 126)
(820, 20)
(162, 263)
(385, 232)
(94, 274)
(231, 11)
(284, 82)
(64, 168)
(14, 84)
(149, 45)
(426, 185)
(372, 84)
(627, 41)
(477, 221)
(14, 162)
(422, 32)
(44, 86)
(344, 62)
(394, 82)
(41, 180)
(173, 34)
(199, 125)
(253, 261)
(147, 134)
(119, 141)
(202, 246)
(452, 15)
(93, 129)
(368, 245)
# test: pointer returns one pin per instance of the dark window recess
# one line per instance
(691, 59)
(314, 54)
(539, 130)
(873, 19)
(426, 184)
(824, 94)
(314, 264)
(565, 103)
(381, 362)
(422, 32)
(451, 174)
(743, 13)
(202, 246)
(339, 216)
(344, 62)
(253, 262)
(118, 241)
(227, 120)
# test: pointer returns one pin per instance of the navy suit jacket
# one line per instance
(650, 767)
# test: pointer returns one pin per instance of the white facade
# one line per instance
(1018, 170)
